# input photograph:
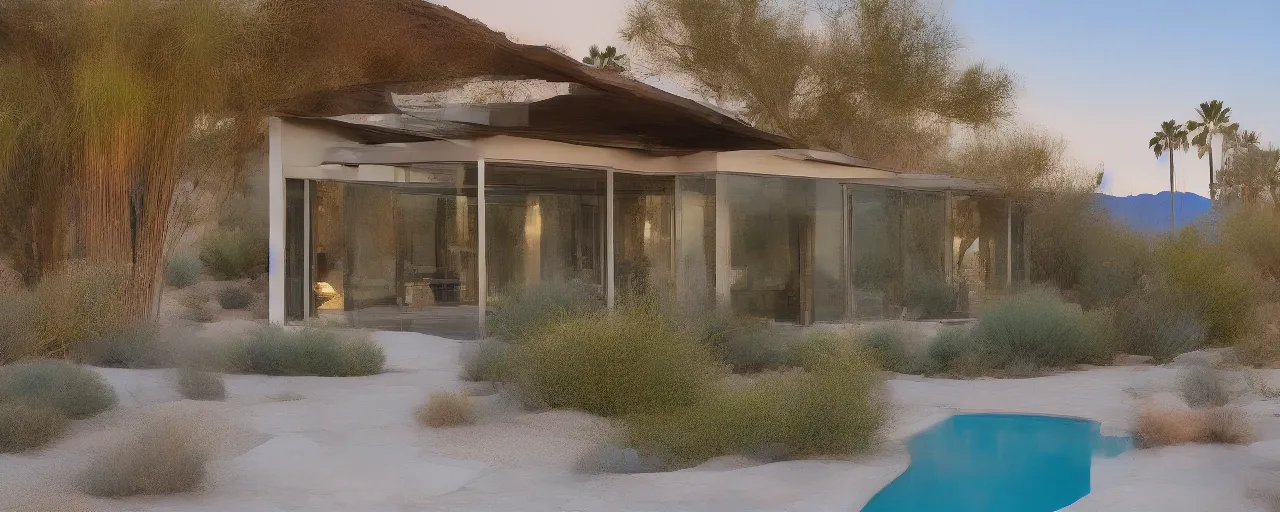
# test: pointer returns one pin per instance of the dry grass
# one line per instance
(198, 385)
(75, 391)
(446, 410)
(25, 427)
(1261, 346)
(193, 299)
(1163, 426)
(163, 457)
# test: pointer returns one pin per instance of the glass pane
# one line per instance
(644, 229)
(1018, 244)
(926, 292)
(544, 223)
(398, 256)
(295, 275)
(696, 240)
(876, 238)
(830, 279)
(771, 247)
(981, 235)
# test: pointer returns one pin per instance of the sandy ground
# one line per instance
(320, 444)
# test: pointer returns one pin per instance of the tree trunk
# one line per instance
(105, 186)
(1211, 194)
(1173, 222)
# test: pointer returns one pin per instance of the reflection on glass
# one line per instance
(295, 274)
(644, 217)
(899, 254)
(1018, 244)
(980, 227)
(830, 279)
(398, 256)
(876, 214)
(771, 247)
(544, 223)
(696, 240)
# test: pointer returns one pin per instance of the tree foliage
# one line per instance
(879, 79)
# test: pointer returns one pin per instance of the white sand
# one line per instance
(351, 444)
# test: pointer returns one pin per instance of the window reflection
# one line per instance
(980, 227)
(644, 225)
(696, 240)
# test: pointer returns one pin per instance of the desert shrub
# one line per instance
(1203, 386)
(236, 296)
(1112, 267)
(446, 410)
(1072, 244)
(163, 457)
(1261, 346)
(1208, 278)
(232, 253)
(487, 362)
(522, 312)
(24, 427)
(1036, 326)
(633, 360)
(77, 304)
(1159, 324)
(182, 270)
(888, 345)
(1161, 426)
(311, 350)
(955, 350)
(139, 346)
(931, 295)
(749, 346)
(201, 314)
(75, 391)
(197, 385)
(1252, 231)
(193, 299)
(17, 336)
(836, 408)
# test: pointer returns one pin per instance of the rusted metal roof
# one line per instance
(607, 109)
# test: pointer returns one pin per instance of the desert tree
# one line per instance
(1214, 119)
(880, 79)
(1171, 137)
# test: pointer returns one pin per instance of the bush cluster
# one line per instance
(444, 410)
(38, 397)
(308, 351)
(75, 305)
(520, 313)
(182, 270)
(229, 253)
(236, 296)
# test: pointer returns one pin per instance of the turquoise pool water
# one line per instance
(997, 463)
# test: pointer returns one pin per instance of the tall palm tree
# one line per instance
(1214, 119)
(1171, 137)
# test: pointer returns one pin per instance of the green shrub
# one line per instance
(1252, 231)
(182, 270)
(836, 408)
(309, 351)
(78, 304)
(488, 362)
(198, 385)
(17, 335)
(137, 347)
(75, 391)
(25, 427)
(1113, 266)
(955, 350)
(164, 457)
(1203, 386)
(520, 313)
(1159, 324)
(236, 296)
(1036, 326)
(233, 253)
(751, 346)
(932, 296)
(1209, 279)
(888, 345)
(1261, 347)
(633, 360)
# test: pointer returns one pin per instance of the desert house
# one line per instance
(413, 205)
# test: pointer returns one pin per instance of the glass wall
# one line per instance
(398, 256)
(899, 254)
(1018, 244)
(644, 233)
(696, 240)
(295, 250)
(980, 231)
(544, 223)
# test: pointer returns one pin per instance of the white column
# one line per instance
(610, 290)
(275, 215)
(723, 262)
(482, 255)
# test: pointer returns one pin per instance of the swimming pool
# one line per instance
(997, 463)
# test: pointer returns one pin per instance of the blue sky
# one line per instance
(1101, 73)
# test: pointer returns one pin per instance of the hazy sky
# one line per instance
(1102, 73)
